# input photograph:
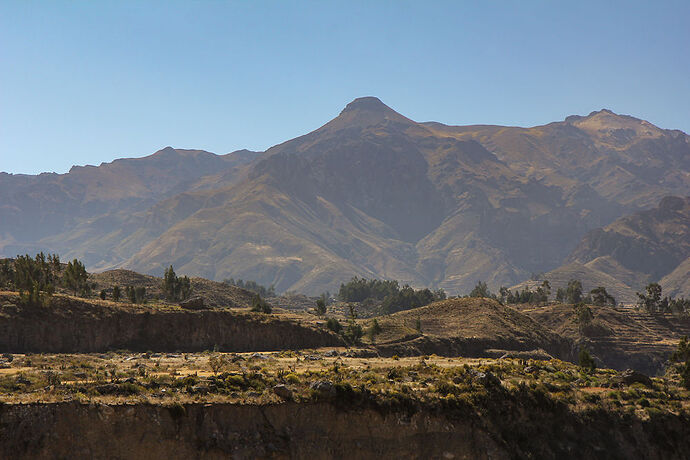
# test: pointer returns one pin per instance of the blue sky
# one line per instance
(88, 82)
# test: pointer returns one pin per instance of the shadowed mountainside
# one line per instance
(647, 246)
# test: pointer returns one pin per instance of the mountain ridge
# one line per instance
(373, 193)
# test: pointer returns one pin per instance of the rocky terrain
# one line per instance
(371, 193)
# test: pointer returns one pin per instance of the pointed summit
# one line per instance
(369, 103)
(367, 111)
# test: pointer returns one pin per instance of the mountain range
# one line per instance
(374, 194)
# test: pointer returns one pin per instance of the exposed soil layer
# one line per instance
(323, 430)
(81, 326)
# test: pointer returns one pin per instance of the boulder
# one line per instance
(193, 303)
(630, 376)
(283, 391)
(324, 388)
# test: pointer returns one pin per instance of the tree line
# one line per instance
(389, 293)
(571, 294)
(252, 286)
(652, 301)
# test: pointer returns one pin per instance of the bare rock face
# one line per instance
(193, 303)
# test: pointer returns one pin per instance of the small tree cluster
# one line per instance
(361, 289)
(600, 297)
(252, 286)
(392, 297)
(538, 296)
(135, 294)
(175, 288)
(75, 278)
(571, 294)
(652, 301)
(34, 278)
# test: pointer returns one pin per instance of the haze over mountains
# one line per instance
(375, 194)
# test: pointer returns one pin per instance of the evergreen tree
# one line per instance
(75, 277)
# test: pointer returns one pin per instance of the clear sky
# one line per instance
(83, 82)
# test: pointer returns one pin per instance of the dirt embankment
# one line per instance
(85, 327)
(322, 430)
(469, 327)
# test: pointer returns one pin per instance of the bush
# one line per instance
(586, 361)
(334, 325)
(260, 305)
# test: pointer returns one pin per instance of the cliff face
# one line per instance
(49, 331)
(321, 430)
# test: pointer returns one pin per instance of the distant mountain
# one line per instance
(647, 246)
(372, 193)
(86, 212)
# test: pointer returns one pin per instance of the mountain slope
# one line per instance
(86, 212)
(642, 247)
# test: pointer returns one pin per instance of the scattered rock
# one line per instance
(259, 356)
(193, 303)
(200, 389)
(282, 391)
(324, 388)
(331, 353)
(630, 376)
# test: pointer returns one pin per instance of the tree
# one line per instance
(651, 299)
(573, 293)
(321, 305)
(374, 330)
(353, 331)
(586, 361)
(682, 357)
(560, 295)
(75, 277)
(140, 294)
(174, 288)
(130, 294)
(602, 298)
(583, 316)
(116, 293)
(480, 290)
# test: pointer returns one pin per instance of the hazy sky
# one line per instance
(88, 82)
